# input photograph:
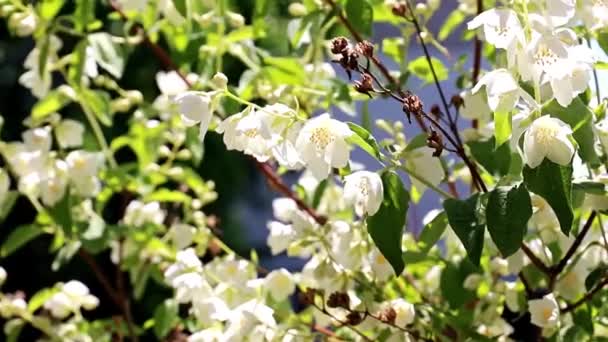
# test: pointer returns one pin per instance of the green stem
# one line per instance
(99, 135)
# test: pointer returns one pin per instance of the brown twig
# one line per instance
(561, 265)
(535, 260)
(477, 58)
(124, 297)
(587, 297)
(103, 280)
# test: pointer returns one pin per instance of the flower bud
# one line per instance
(297, 9)
(235, 20)
(339, 300)
(220, 80)
(164, 151)
(339, 44)
(135, 96)
(120, 105)
(23, 23)
(184, 154)
(206, 19)
(2, 275)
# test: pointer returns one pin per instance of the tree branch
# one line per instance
(587, 297)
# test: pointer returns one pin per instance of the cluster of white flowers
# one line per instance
(42, 173)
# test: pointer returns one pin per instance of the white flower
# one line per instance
(70, 298)
(517, 261)
(38, 139)
(422, 162)
(182, 235)
(594, 14)
(548, 137)
(380, 267)
(5, 184)
(210, 309)
(572, 284)
(545, 311)
(501, 27)
(170, 83)
(38, 83)
(500, 266)
(475, 106)
(52, 187)
(280, 284)
(195, 107)
(560, 11)
(472, 281)
(364, 190)
(405, 312)
(24, 23)
(432, 278)
(322, 145)
(280, 236)
(82, 169)
(501, 88)
(2, 275)
(512, 296)
(137, 213)
(12, 306)
(69, 133)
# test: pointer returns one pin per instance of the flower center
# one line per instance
(547, 313)
(502, 31)
(363, 187)
(251, 133)
(544, 56)
(321, 137)
(544, 135)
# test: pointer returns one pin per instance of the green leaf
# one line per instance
(451, 284)
(553, 182)
(18, 238)
(48, 9)
(593, 188)
(466, 223)
(386, 226)
(495, 160)
(181, 7)
(580, 118)
(595, 276)
(194, 145)
(43, 46)
(431, 233)
(51, 103)
(65, 254)
(582, 317)
(98, 101)
(602, 39)
(507, 214)
(283, 70)
(84, 14)
(7, 204)
(12, 329)
(77, 61)
(419, 67)
(62, 214)
(502, 128)
(451, 22)
(39, 298)
(165, 317)
(107, 53)
(365, 140)
(166, 195)
(360, 13)
(319, 191)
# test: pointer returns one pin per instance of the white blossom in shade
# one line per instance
(186, 277)
(245, 318)
(512, 296)
(560, 11)
(210, 309)
(475, 106)
(38, 139)
(195, 107)
(171, 83)
(12, 306)
(71, 296)
(364, 190)
(212, 334)
(322, 145)
(2, 275)
(500, 266)
(284, 149)
(133, 5)
(53, 186)
(427, 167)
(280, 284)
(380, 267)
(497, 328)
(182, 235)
(571, 285)
(472, 281)
(23, 23)
(502, 90)
(40, 83)
(548, 137)
(517, 261)
(594, 14)
(280, 236)
(138, 214)
(501, 28)
(431, 279)
(83, 168)
(5, 184)
(544, 311)
(405, 312)
(69, 133)
(231, 271)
